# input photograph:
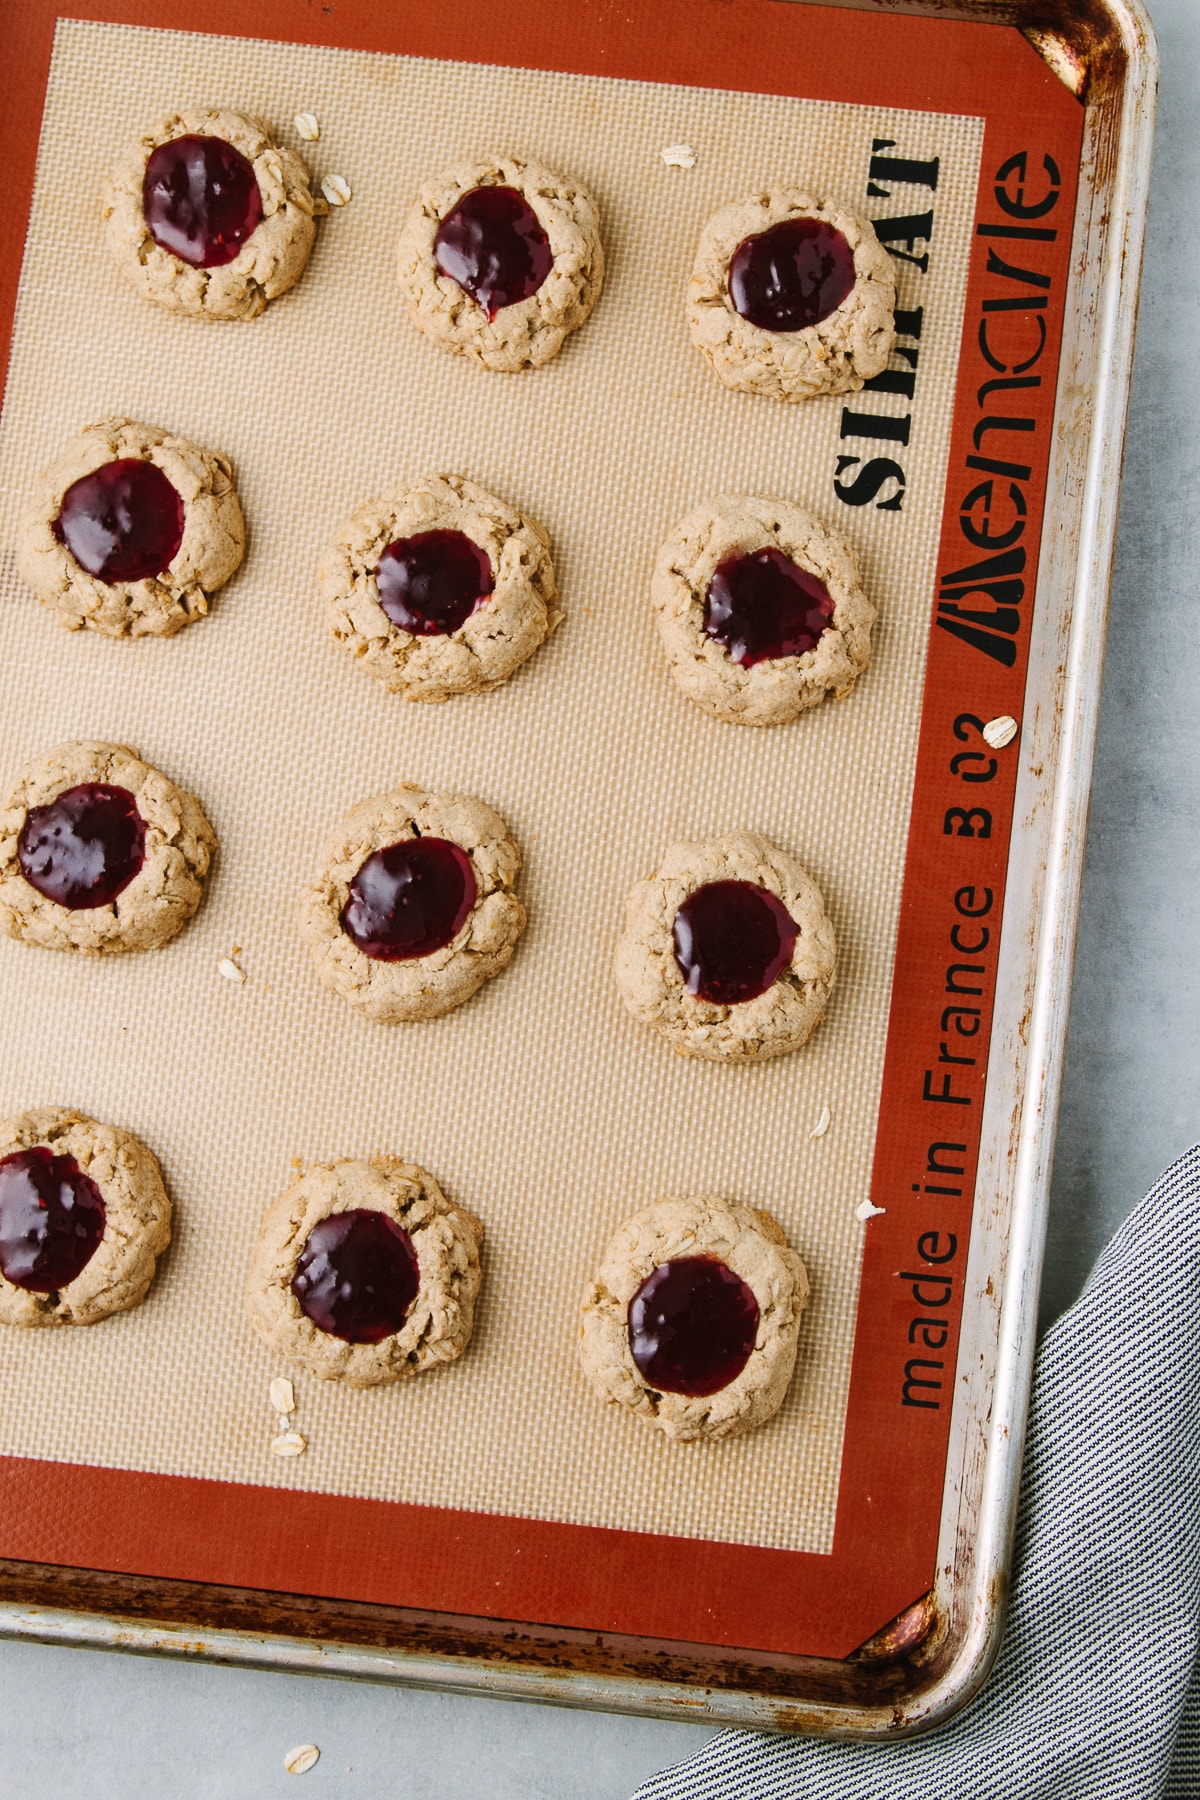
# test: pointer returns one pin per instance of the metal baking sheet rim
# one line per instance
(1106, 51)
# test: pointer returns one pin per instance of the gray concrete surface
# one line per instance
(105, 1726)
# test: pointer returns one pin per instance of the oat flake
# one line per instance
(308, 126)
(679, 156)
(336, 189)
(1001, 731)
(300, 1760)
(290, 1444)
(822, 1125)
(229, 969)
(283, 1395)
(865, 1211)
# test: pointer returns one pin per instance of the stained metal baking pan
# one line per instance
(893, 1620)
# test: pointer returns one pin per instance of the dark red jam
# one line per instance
(201, 200)
(51, 1219)
(732, 940)
(765, 605)
(409, 900)
(432, 583)
(792, 275)
(84, 848)
(493, 245)
(692, 1326)
(357, 1276)
(123, 522)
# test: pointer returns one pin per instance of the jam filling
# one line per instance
(357, 1276)
(791, 276)
(764, 605)
(51, 1219)
(692, 1326)
(201, 200)
(84, 848)
(432, 583)
(732, 940)
(410, 899)
(493, 245)
(123, 522)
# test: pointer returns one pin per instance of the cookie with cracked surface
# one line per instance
(206, 214)
(83, 1217)
(692, 1319)
(441, 589)
(499, 260)
(761, 610)
(365, 1273)
(131, 530)
(792, 296)
(100, 852)
(727, 951)
(413, 909)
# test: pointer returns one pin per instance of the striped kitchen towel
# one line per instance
(1096, 1693)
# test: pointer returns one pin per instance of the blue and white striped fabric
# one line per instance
(1096, 1695)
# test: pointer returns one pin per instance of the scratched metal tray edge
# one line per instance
(1108, 51)
(937, 1656)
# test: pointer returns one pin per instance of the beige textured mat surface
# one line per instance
(540, 1104)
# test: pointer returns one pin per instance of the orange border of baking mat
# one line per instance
(902, 1379)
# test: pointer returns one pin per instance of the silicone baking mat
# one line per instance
(539, 1105)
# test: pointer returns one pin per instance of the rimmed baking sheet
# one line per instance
(540, 1105)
